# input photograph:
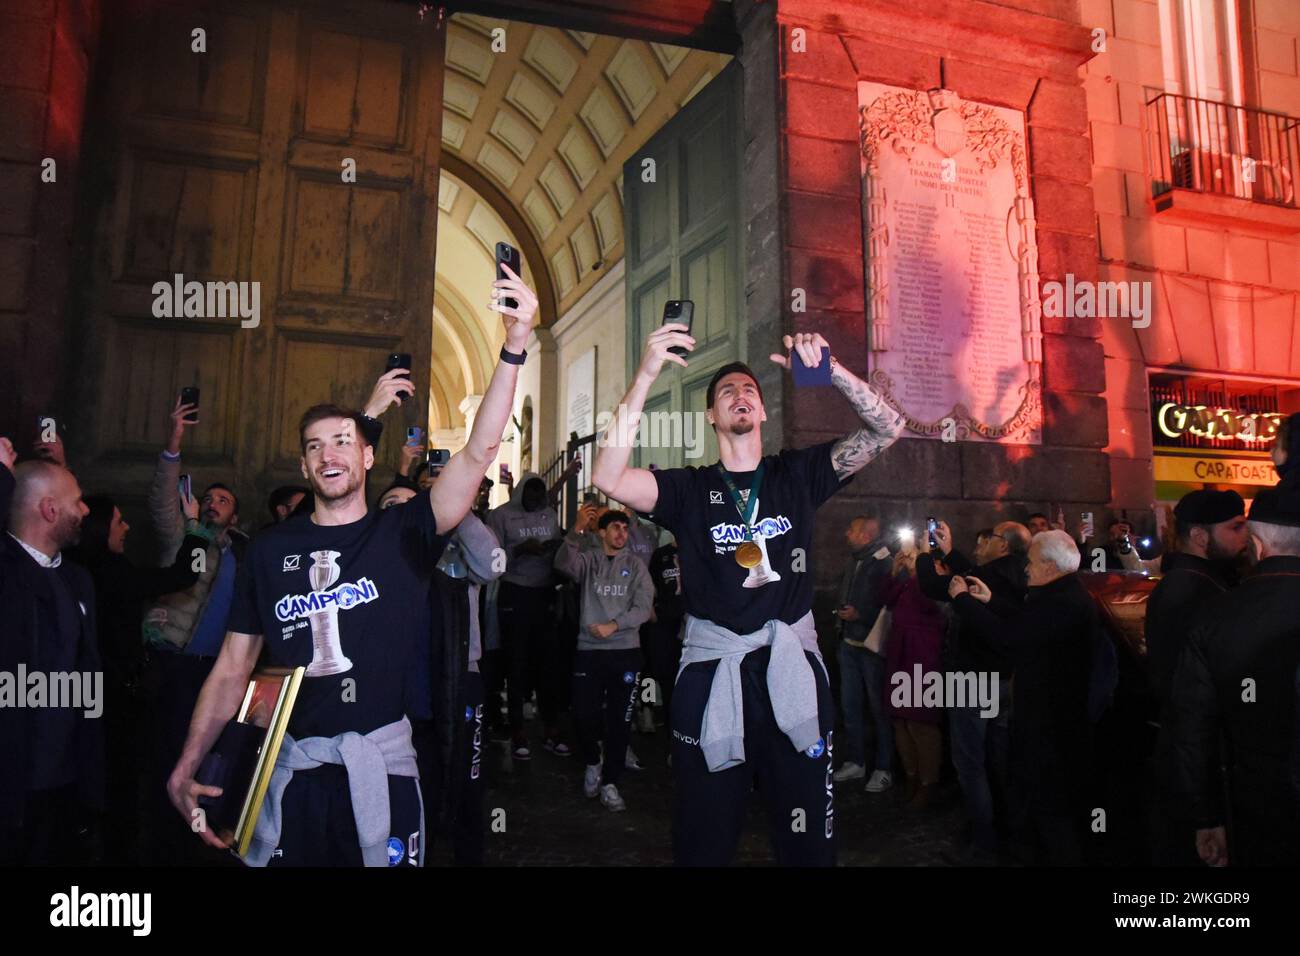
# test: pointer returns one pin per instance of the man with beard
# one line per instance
(1211, 530)
(1235, 682)
(344, 591)
(752, 696)
(183, 630)
(51, 754)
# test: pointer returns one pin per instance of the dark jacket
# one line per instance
(665, 575)
(28, 600)
(467, 563)
(863, 587)
(121, 589)
(1005, 577)
(1050, 644)
(1250, 633)
(1175, 604)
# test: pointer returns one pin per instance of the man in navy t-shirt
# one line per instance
(752, 695)
(343, 591)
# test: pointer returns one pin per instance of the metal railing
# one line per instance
(576, 484)
(1219, 148)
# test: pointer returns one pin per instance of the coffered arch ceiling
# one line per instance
(549, 122)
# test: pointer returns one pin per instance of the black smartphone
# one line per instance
(509, 255)
(931, 526)
(1125, 543)
(681, 311)
(413, 434)
(437, 457)
(190, 396)
(399, 360)
(185, 486)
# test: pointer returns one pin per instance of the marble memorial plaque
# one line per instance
(952, 264)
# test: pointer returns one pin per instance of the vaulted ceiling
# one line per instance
(547, 117)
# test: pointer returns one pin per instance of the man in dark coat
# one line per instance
(979, 742)
(51, 750)
(1050, 644)
(862, 670)
(1211, 530)
(1236, 677)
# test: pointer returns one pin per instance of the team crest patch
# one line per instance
(469, 712)
(396, 851)
(629, 677)
(625, 572)
(817, 749)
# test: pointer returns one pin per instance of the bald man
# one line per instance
(51, 749)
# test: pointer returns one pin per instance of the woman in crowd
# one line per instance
(915, 641)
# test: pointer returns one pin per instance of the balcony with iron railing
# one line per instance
(1220, 162)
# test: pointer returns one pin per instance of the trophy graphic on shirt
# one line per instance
(327, 653)
(762, 572)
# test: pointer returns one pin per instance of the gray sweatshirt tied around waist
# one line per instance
(791, 684)
(369, 760)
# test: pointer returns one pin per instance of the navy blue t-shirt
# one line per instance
(695, 505)
(367, 583)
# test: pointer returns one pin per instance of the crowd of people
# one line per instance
(1190, 751)
(687, 608)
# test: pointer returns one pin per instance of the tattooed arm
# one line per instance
(881, 425)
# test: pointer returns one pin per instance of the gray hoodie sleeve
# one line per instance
(165, 509)
(571, 559)
(643, 598)
(479, 546)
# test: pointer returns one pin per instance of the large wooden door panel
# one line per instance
(228, 166)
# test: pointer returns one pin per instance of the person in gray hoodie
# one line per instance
(617, 598)
(529, 532)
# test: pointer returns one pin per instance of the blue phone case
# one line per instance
(818, 375)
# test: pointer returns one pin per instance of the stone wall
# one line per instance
(1024, 56)
(46, 53)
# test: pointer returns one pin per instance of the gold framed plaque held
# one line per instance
(267, 705)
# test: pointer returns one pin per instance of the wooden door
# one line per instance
(233, 165)
(684, 240)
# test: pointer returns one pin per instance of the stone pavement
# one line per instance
(548, 822)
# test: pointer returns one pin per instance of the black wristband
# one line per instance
(512, 358)
(372, 429)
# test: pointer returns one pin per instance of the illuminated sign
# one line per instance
(1195, 469)
(1205, 421)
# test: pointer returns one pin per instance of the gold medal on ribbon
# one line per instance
(748, 554)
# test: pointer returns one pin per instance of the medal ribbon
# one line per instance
(746, 510)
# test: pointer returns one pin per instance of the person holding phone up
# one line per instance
(752, 695)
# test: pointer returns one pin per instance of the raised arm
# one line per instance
(881, 425)
(453, 494)
(636, 487)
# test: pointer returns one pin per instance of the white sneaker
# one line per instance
(610, 798)
(850, 771)
(630, 760)
(881, 780)
(591, 781)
